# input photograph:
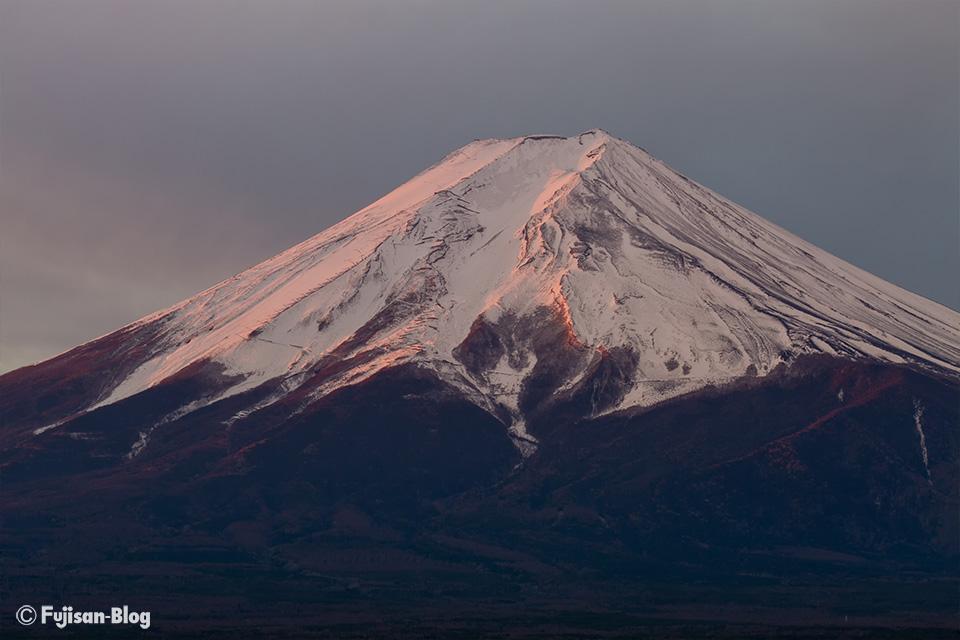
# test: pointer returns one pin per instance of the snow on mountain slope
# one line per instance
(501, 238)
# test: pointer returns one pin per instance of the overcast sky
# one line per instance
(151, 149)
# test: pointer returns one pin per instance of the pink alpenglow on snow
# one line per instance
(590, 231)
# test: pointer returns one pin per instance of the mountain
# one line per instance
(546, 357)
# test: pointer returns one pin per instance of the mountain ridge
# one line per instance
(605, 239)
(547, 379)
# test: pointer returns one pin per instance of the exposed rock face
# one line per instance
(544, 357)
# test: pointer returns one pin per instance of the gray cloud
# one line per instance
(149, 150)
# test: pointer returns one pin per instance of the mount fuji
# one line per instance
(548, 360)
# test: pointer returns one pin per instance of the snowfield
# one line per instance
(589, 232)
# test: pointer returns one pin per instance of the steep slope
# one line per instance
(460, 270)
(549, 385)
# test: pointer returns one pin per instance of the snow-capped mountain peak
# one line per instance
(514, 266)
